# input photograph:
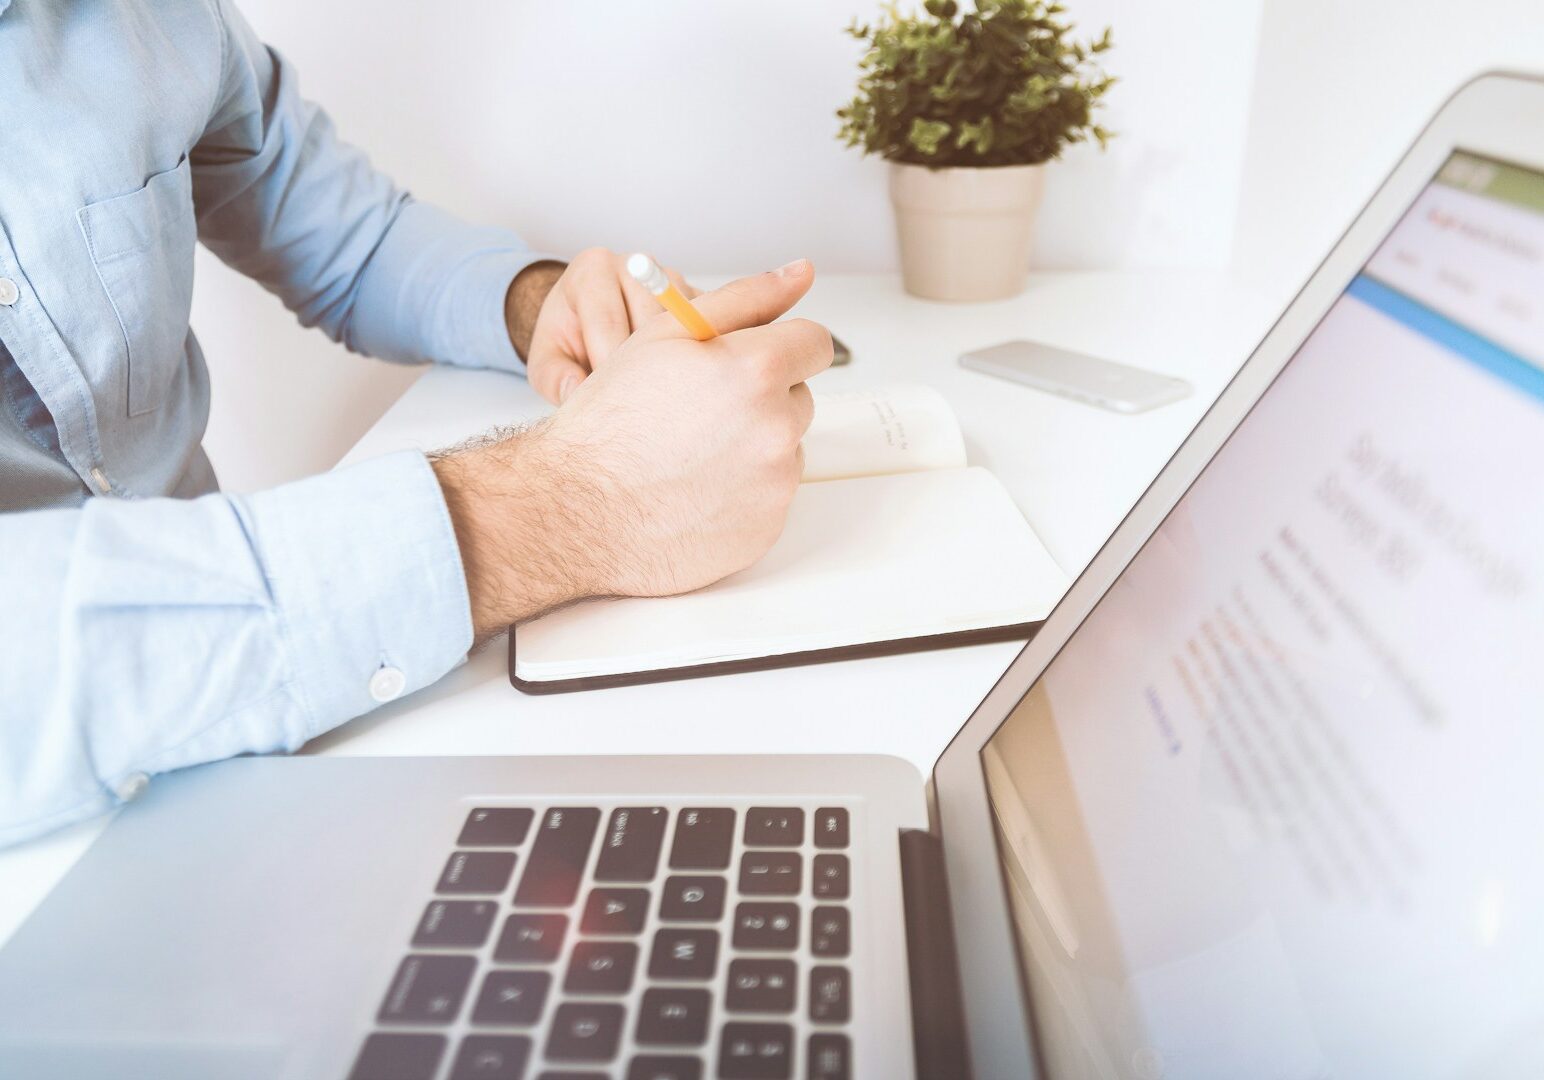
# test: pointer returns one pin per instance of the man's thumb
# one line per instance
(758, 299)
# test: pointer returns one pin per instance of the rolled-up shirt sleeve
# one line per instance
(151, 635)
(280, 197)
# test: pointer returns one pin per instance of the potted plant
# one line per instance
(967, 106)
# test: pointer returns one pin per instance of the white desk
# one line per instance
(1074, 470)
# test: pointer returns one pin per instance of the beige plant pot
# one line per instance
(965, 233)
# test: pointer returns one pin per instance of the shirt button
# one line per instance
(9, 293)
(387, 684)
(99, 478)
(130, 786)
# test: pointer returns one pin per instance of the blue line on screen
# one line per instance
(1482, 352)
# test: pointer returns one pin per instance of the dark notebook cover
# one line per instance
(1012, 632)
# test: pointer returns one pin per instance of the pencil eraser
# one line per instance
(647, 273)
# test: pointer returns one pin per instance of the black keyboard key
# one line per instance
(491, 1057)
(629, 849)
(829, 880)
(703, 839)
(766, 926)
(530, 939)
(455, 924)
(831, 827)
(693, 899)
(774, 826)
(684, 954)
(427, 989)
(830, 995)
(585, 1031)
(398, 1056)
(477, 872)
(496, 826)
(511, 997)
(652, 1067)
(761, 986)
(830, 931)
(556, 863)
(771, 873)
(830, 1057)
(615, 911)
(673, 1016)
(601, 967)
(756, 1052)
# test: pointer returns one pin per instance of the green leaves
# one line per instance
(925, 135)
(999, 85)
(974, 136)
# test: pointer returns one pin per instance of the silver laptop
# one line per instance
(1261, 799)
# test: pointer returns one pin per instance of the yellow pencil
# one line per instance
(646, 272)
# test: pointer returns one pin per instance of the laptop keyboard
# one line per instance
(632, 942)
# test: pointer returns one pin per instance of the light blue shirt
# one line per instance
(146, 622)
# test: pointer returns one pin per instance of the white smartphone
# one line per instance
(1073, 375)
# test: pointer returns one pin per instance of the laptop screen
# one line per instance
(1277, 808)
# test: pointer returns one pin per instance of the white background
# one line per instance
(1341, 90)
(703, 130)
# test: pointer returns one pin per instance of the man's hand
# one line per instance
(669, 468)
(567, 323)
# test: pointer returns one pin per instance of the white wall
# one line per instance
(1342, 90)
(702, 130)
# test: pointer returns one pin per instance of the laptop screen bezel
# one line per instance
(1495, 115)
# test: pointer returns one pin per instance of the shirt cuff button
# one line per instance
(387, 684)
(130, 786)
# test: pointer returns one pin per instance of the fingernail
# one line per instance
(566, 387)
(793, 269)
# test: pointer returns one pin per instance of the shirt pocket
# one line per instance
(142, 246)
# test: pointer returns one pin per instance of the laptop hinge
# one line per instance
(937, 1010)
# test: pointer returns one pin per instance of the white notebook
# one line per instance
(893, 543)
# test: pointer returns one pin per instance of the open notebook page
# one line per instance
(888, 429)
(860, 561)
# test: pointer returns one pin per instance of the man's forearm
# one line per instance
(283, 199)
(528, 524)
(522, 304)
